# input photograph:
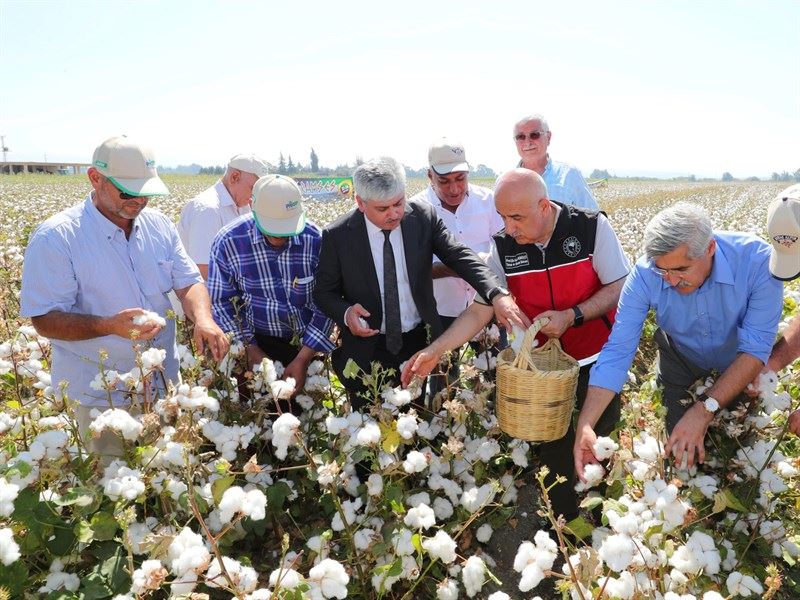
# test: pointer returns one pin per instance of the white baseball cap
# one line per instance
(446, 157)
(129, 166)
(783, 228)
(249, 163)
(278, 206)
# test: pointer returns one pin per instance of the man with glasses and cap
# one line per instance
(92, 272)
(564, 183)
(717, 309)
(227, 200)
(783, 229)
(267, 261)
(468, 212)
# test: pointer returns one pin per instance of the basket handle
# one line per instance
(523, 358)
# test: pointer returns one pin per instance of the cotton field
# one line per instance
(218, 495)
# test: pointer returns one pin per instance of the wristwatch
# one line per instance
(578, 316)
(710, 404)
(497, 291)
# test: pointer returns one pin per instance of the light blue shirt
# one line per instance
(565, 184)
(78, 261)
(736, 310)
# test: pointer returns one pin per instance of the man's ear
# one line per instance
(360, 203)
(712, 248)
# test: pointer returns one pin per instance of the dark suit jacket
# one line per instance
(346, 273)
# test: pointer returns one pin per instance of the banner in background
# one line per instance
(326, 188)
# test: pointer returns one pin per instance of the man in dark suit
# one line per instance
(374, 278)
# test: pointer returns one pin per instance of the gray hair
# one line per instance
(379, 179)
(682, 223)
(534, 117)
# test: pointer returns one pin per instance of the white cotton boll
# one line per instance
(532, 560)
(401, 542)
(183, 585)
(283, 389)
(363, 538)
(441, 546)
(57, 580)
(9, 549)
(397, 396)
(289, 579)
(407, 426)
(604, 448)
(473, 575)
(331, 578)
(349, 508)
(283, 431)
(374, 485)
(417, 499)
(712, 595)
(117, 420)
(475, 498)
(335, 425)
(442, 509)
(187, 553)
(519, 454)
(617, 551)
(484, 533)
(149, 576)
(120, 481)
(627, 524)
(148, 317)
(49, 445)
(706, 484)
(594, 474)
(415, 462)
(646, 447)
(306, 402)
(8, 493)
(639, 469)
(484, 361)
(499, 596)
(447, 589)
(244, 578)
(420, 517)
(369, 434)
(739, 584)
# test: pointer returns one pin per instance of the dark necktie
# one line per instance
(391, 298)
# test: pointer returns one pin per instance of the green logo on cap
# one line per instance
(149, 163)
(292, 204)
(101, 164)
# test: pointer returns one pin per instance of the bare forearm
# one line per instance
(195, 302)
(60, 325)
(603, 301)
(597, 400)
(440, 270)
(735, 378)
(463, 328)
(203, 271)
(787, 350)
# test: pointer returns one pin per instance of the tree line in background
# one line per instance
(726, 176)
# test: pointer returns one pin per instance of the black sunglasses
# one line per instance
(533, 135)
(124, 196)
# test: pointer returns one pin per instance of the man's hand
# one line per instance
(794, 422)
(508, 313)
(208, 335)
(689, 434)
(559, 322)
(296, 369)
(254, 355)
(420, 365)
(583, 450)
(121, 324)
(351, 319)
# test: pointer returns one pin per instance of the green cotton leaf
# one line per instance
(727, 499)
(396, 568)
(580, 527)
(351, 369)
(114, 569)
(416, 541)
(84, 532)
(104, 526)
(79, 496)
(94, 587)
(62, 541)
(276, 496)
(591, 502)
(218, 487)
(14, 577)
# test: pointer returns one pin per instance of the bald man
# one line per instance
(559, 263)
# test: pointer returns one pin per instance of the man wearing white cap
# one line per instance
(469, 213)
(227, 200)
(92, 269)
(268, 260)
(783, 228)
(564, 183)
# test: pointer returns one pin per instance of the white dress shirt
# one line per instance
(203, 216)
(409, 315)
(473, 224)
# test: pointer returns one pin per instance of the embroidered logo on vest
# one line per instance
(516, 260)
(571, 246)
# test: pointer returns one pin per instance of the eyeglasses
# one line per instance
(533, 135)
(124, 196)
(679, 272)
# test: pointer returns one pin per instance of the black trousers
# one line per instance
(557, 455)
(359, 394)
(277, 348)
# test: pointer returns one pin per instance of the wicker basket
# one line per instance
(536, 389)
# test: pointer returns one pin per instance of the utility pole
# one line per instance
(3, 146)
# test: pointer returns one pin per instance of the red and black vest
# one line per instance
(558, 277)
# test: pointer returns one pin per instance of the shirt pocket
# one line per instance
(160, 280)
(301, 291)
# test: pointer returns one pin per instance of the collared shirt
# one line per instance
(409, 315)
(274, 285)
(203, 216)
(473, 223)
(78, 261)
(736, 310)
(565, 184)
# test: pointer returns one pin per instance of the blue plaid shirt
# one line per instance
(274, 286)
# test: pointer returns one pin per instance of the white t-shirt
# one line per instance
(473, 224)
(203, 216)
(409, 315)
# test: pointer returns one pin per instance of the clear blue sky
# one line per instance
(633, 87)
